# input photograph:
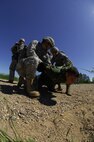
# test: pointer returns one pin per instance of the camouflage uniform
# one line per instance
(28, 67)
(16, 50)
(39, 50)
(35, 54)
(60, 59)
(52, 75)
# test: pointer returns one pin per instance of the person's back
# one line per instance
(31, 48)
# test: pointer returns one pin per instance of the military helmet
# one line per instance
(54, 50)
(50, 40)
(22, 39)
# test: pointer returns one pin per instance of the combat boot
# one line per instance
(30, 89)
(68, 90)
(21, 82)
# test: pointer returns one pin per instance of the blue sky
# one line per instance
(69, 22)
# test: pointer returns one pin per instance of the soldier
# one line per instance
(36, 53)
(60, 59)
(41, 48)
(16, 55)
(52, 75)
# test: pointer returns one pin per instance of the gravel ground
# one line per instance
(53, 117)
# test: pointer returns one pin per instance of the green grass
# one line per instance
(6, 77)
(4, 137)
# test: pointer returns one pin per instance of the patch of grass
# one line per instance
(4, 137)
(6, 77)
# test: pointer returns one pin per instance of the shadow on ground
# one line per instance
(45, 98)
(6, 89)
(10, 90)
(6, 81)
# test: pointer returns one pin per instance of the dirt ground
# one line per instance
(53, 117)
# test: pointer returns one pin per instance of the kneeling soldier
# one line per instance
(55, 75)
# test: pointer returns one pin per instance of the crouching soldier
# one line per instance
(26, 68)
(59, 58)
(52, 75)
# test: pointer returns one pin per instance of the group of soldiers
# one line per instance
(54, 65)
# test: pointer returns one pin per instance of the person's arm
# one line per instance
(14, 49)
(32, 48)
